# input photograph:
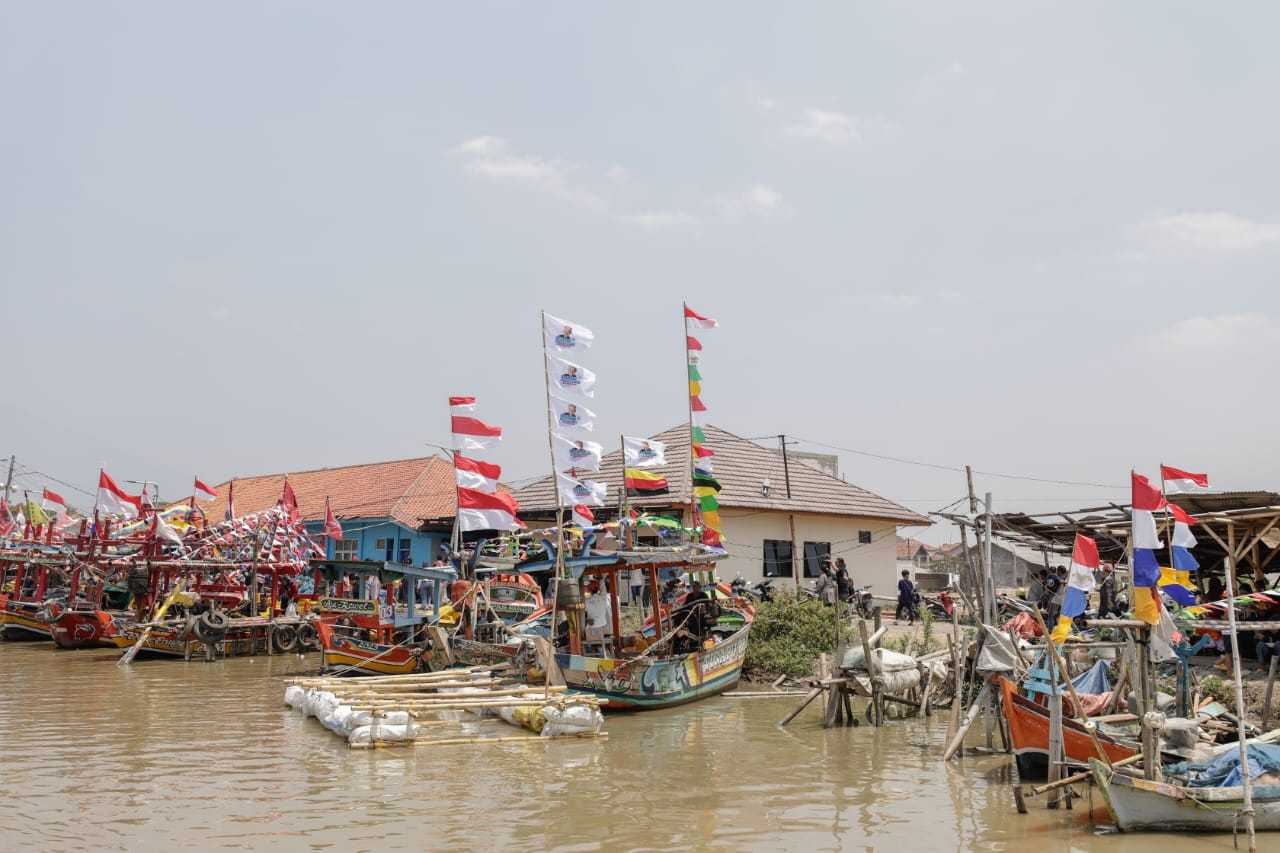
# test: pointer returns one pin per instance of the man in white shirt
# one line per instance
(599, 614)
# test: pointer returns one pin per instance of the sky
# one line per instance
(1038, 238)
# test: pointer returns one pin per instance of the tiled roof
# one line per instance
(406, 490)
(908, 548)
(741, 466)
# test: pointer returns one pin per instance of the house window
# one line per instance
(816, 555)
(864, 537)
(402, 556)
(777, 558)
(345, 549)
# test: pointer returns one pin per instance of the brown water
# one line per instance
(167, 754)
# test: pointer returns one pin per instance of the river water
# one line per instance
(166, 754)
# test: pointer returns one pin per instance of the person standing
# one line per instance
(844, 583)
(906, 598)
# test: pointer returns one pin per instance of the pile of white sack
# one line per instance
(358, 727)
(900, 672)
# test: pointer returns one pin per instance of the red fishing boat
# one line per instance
(1029, 733)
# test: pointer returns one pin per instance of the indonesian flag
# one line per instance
(52, 500)
(697, 321)
(583, 517)
(1176, 480)
(113, 500)
(462, 405)
(473, 434)
(289, 501)
(332, 528)
(477, 475)
(203, 492)
(483, 511)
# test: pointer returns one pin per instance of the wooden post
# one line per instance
(873, 675)
(953, 721)
(615, 614)
(1266, 701)
(1241, 713)
(972, 715)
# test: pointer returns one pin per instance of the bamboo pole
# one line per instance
(813, 694)
(970, 717)
(1245, 777)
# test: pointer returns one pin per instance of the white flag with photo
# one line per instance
(566, 336)
(572, 379)
(643, 452)
(572, 416)
(574, 492)
(576, 453)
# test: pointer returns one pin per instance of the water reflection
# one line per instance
(167, 754)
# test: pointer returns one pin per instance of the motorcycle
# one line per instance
(763, 591)
(863, 601)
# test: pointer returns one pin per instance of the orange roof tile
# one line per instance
(406, 490)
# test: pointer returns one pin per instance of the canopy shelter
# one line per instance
(1243, 525)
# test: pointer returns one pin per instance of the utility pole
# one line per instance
(791, 519)
(8, 481)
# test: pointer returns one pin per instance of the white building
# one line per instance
(767, 532)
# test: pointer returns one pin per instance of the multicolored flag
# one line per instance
(1080, 582)
(1175, 581)
(643, 452)
(1144, 540)
(112, 500)
(565, 336)
(1178, 481)
(641, 483)
(35, 513)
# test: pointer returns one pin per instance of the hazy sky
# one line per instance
(1040, 238)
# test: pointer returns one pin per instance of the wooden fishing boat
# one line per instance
(341, 651)
(1029, 733)
(89, 629)
(23, 620)
(1139, 805)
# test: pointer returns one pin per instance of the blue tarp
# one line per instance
(1094, 681)
(1223, 771)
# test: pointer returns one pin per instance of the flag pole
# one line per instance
(684, 325)
(622, 492)
(555, 487)
(455, 536)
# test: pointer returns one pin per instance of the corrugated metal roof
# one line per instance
(741, 467)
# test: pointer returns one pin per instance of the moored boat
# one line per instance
(1140, 805)
(1029, 733)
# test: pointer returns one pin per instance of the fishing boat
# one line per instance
(1139, 805)
(25, 581)
(1029, 734)
(341, 650)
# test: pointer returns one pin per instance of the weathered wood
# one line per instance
(970, 717)
(813, 694)
(1266, 700)
(1037, 790)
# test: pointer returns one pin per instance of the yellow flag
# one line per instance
(1145, 606)
(1062, 630)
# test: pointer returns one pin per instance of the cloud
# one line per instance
(760, 202)
(657, 219)
(832, 127)
(1216, 231)
(1223, 333)
(494, 158)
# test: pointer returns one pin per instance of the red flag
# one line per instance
(1180, 514)
(332, 528)
(692, 343)
(702, 452)
(6, 518)
(289, 501)
(203, 492)
(1145, 495)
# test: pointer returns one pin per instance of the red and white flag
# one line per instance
(289, 501)
(583, 517)
(332, 528)
(474, 474)
(203, 492)
(6, 518)
(1177, 480)
(473, 434)
(113, 500)
(52, 500)
(697, 321)
(482, 511)
(462, 405)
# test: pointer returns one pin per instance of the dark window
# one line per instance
(864, 537)
(777, 558)
(403, 556)
(816, 555)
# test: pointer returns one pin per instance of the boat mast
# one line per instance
(694, 510)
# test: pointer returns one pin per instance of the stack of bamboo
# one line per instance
(425, 696)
